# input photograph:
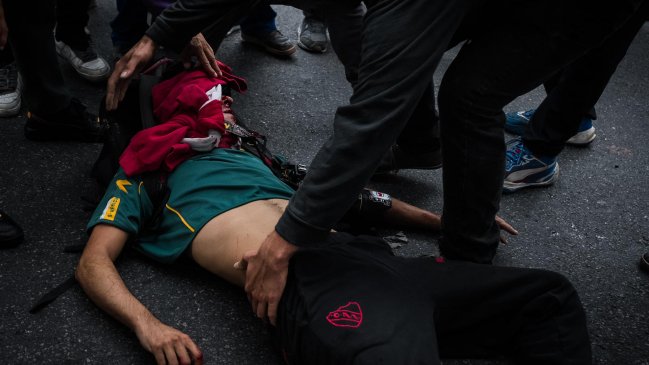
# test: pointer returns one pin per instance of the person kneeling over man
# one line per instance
(349, 301)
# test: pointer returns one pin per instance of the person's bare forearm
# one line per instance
(100, 280)
(402, 214)
(102, 283)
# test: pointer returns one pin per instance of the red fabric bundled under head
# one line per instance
(166, 94)
(177, 104)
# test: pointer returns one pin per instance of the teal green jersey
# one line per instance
(201, 188)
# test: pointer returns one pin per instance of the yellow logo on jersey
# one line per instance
(111, 209)
(122, 184)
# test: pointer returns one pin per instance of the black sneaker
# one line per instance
(73, 123)
(274, 42)
(397, 159)
(11, 235)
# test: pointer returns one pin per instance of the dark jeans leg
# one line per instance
(396, 68)
(32, 41)
(345, 25)
(261, 20)
(554, 80)
(6, 56)
(357, 318)
(395, 310)
(534, 317)
(573, 93)
(222, 24)
(421, 133)
(492, 69)
(71, 19)
(129, 25)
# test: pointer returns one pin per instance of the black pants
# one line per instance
(573, 92)
(514, 46)
(496, 66)
(71, 20)
(32, 42)
(355, 303)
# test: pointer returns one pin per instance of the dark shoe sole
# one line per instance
(37, 129)
(311, 50)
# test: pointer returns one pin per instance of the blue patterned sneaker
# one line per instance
(515, 124)
(523, 169)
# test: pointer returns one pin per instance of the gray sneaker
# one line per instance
(312, 35)
(85, 61)
(10, 90)
(274, 42)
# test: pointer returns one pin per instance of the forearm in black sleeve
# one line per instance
(177, 24)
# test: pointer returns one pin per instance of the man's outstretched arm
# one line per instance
(402, 214)
(100, 280)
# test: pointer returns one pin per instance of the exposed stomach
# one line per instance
(228, 236)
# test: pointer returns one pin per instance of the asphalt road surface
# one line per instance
(591, 226)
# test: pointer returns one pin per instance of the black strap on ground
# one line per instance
(53, 294)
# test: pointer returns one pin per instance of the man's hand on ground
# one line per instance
(201, 49)
(266, 275)
(505, 227)
(168, 345)
(128, 66)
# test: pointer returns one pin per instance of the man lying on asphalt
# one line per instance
(348, 302)
(513, 47)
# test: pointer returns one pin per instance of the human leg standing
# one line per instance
(578, 89)
(566, 114)
(492, 69)
(129, 24)
(32, 40)
(53, 113)
(259, 28)
(74, 44)
(395, 71)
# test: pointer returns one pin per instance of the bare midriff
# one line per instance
(228, 236)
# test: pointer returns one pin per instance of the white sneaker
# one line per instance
(86, 62)
(585, 134)
(11, 87)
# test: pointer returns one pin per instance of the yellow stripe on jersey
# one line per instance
(181, 218)
(111, 209)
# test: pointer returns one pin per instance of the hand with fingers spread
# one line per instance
(505, 227)
(201, 49)
(168, 345)
(266, 272)
(127, 67)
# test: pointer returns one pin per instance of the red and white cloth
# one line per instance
(190, 109)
